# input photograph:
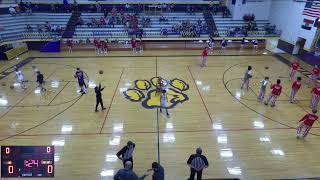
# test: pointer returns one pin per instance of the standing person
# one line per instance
(294, 67)
(295, 88)
(263, 88)
(306, 124)
(141, 45)
(158, 171)
(164, 102)
(70, 45)
(255, 44)
(204, 57)
(315, 97)
(125, 154)
(197, 162)
(127, 173)
(242, 44)
(99, 46)
(95, 44)
(314, 76)
(275, 93)
(20, 78)
(80, 76)
(211, 44)
(223, 45)
(134, 45)
(40, 81)
(104, 46)
(98, 90)
(246, 78)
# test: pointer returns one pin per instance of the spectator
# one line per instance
(127, 173)
(127, 7)
(18, 9)
(12, 11)
(102, 22)
(162, 19)
(199, 22)
(172, 7)
(105, 12)
(94, 22)
(91, 8)
(75, 5)
(79, 21)
(197, 162)
(164, 32)
(158, 171)
(47, 25)
(98, 7)
(125, 154)
(29, 28)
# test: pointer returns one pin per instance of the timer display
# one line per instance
(27, 161)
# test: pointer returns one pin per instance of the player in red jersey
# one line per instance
(295, 88)
(275, 93)
(294, 67)
(134, 45)
(315, 97)
(99, 46)
(306, 124)
(70, 45)
(95, 43)
(104, 46)
(314, 76)
(204, 57)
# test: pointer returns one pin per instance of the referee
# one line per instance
(125, 154)
(197, 162)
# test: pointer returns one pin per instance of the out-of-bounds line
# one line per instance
(161, 132)
(205, 106)
(114, 93)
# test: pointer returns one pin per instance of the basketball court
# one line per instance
(241, 137)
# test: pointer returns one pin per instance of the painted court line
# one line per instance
(200, 95)
(114, 93)
(161, 132)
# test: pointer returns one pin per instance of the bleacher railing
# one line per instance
(41, 35)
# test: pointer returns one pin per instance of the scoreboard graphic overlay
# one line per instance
(27, 161)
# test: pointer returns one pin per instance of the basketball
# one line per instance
(3, 84)
(266, 67)
(100, 71)
(75, 76)
(11, 87)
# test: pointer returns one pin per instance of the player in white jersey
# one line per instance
(164, 102)
(20, 78)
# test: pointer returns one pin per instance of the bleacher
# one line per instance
(15, 27)
(224, 23)
(153, 30)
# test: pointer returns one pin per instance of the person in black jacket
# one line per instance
(40, 81)
(158, 171)
(98, 90)
(125, 154)
(197, 162)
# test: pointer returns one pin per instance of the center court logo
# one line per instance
(145, 91)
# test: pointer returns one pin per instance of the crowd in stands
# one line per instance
(21, 8)
(188, 29)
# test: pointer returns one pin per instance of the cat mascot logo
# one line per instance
(148, 92)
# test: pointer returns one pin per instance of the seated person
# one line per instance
(164, 32)
(29, 28)
(12, 11)
(162, 19)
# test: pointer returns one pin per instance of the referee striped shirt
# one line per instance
(197, 161)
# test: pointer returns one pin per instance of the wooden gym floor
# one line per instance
(241, 137)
